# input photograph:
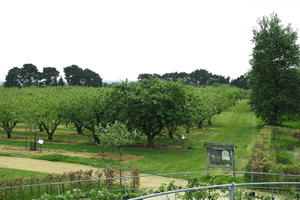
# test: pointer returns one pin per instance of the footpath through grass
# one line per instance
(238, 125)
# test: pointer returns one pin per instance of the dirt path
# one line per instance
(16, 150)
(60, 167)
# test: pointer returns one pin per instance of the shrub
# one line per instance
(290, 169)
(284, 157)
(260, 158)
(284, 141)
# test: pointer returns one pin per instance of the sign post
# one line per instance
(220, 155)
(41, 141)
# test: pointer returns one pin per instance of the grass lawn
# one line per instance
(238, 125)
(6, 173)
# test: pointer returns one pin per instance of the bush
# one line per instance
(260, 158)
(284, 142)
(284, 157)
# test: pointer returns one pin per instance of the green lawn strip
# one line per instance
(238, 125)
(103, 163)
(6, 173)
(293, 124)
(57, 137)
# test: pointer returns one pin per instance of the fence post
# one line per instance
(58, 189)
(232, 192)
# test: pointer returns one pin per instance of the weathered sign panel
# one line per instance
(220, 154)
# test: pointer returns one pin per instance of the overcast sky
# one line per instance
(121, 39)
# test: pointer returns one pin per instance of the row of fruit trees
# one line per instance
(145, 107)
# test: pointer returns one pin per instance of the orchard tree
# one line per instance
(191, 110)
(116, 134)
(84, 107)
(43, 109)
(72, 108)
(274, 78)
(141, 107)
(9, 110)
(174, 99)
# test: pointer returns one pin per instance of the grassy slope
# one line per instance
(238, 125)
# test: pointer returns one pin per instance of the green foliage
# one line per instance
(236, 125)
(211, 194)
(289, 169)
(76, 76)
(12, 78)
(198, 77)
(284, 157)
(283, 141)
(9, 110)
(241, 81)
(103, 194)
(148, 106)
(116, 134)
(260, 159)
(152, 104)
(274, 79)
(49, 76)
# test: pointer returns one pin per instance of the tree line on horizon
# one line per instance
(199, 77)
(28, 75)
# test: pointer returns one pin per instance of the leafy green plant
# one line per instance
(260, 159)
(284, 157)
(117, 134)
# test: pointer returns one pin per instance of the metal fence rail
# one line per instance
(231, 187)
(149, 175)
(60, 187)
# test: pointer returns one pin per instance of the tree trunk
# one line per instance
(200, 124)
(79, 128)
(188, 129)
(8, 128)
(96, 139)
(209, 121)
(50, 136)
(171, 133)
(8, 134)
(150, 140)
(41, 128)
